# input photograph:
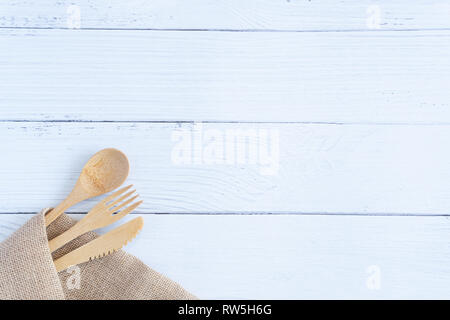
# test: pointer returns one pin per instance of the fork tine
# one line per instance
(112, 204)
(117, 193)
(126, 211)
(124, 204)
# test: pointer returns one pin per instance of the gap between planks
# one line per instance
(344, 214)
(362, 123)
(227, 30)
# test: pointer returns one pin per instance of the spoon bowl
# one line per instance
(105, 171)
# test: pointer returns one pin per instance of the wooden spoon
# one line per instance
(104, 172)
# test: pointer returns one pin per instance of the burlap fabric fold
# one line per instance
(27, 270)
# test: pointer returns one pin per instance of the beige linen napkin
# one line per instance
(27, 270)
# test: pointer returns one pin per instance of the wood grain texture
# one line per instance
(350, 77)
(291, 15)
(293, 257)
(362, 116)
(358, 169)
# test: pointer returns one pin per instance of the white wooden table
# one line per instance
(354, 95)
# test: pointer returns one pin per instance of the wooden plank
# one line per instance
(294, 257)
(230, 14)
(355, 77)
(286, 168)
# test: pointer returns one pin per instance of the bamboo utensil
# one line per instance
(103, 214)
(101, 246)
(104, 172)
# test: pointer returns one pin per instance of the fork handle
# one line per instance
(65, 237)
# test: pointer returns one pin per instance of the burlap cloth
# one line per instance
(27, 270)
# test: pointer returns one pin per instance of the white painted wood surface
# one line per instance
(339, 169)
(288, 15)
(362, 115)
(294, 257)
(348, 77)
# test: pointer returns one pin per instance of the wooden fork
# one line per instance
(103, 214)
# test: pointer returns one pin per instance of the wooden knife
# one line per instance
(101, 246)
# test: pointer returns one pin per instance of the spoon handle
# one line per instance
(56, 212)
